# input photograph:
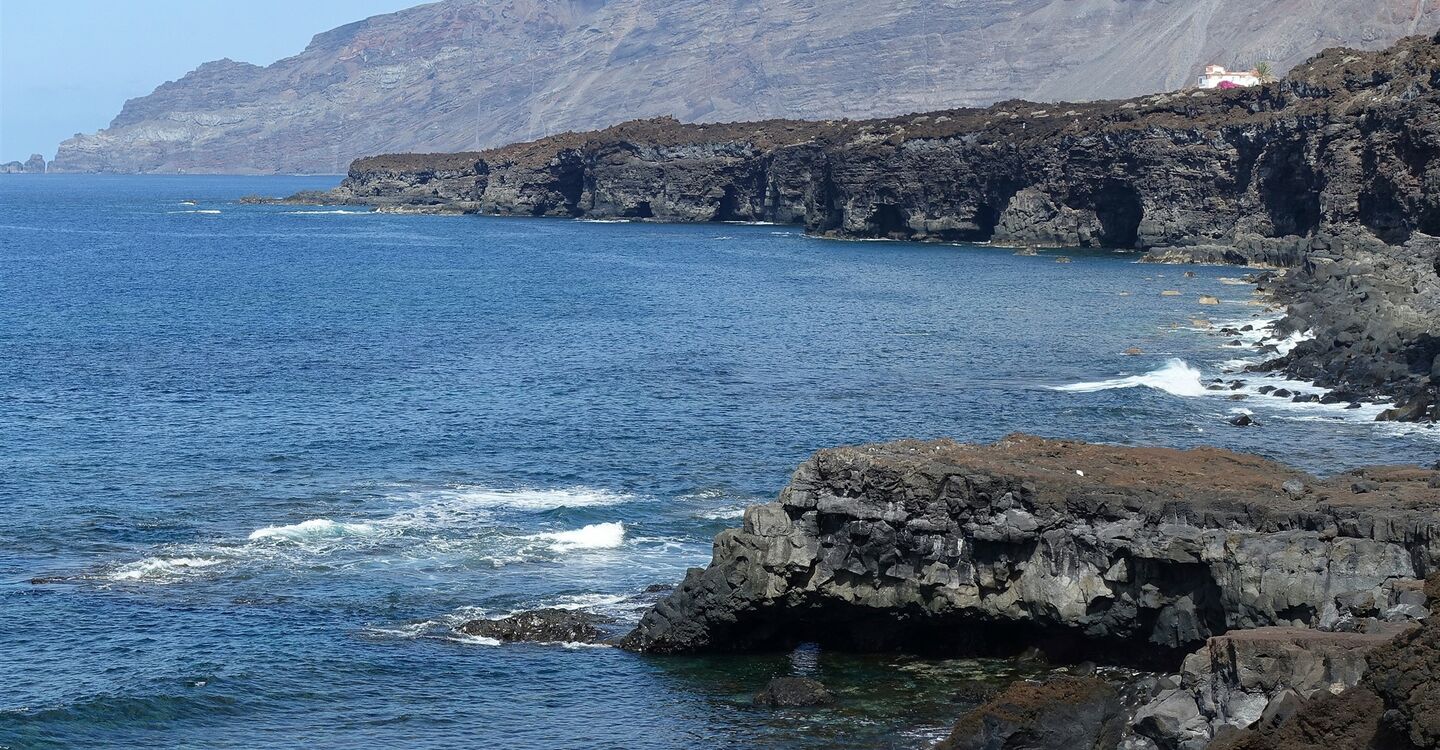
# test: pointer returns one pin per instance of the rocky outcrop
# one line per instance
(1255, 677)
(1083, 550)
(466, 74)
(1333, 172)
(1395, 706)
(1063, 713)
(543, 626)
(34, 165)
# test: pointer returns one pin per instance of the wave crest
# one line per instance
(1177, 377)
(313, 529)
(594, 536)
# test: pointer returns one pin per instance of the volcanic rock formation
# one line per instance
(1333, 172)
(1079, 549)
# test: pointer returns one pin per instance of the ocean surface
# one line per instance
(257, 461)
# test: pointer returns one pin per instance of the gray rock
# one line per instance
(788, 692)
(1254, 677)
(1082, 548)
(543, 626)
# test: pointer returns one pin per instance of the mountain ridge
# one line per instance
(472, 74)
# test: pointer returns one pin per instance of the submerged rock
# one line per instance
(543, 626)
(785, 692)
(1063, 713)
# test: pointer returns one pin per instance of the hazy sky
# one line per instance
(66, 66)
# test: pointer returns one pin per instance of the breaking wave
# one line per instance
(314, 529)
(594, 536)
(1177, 377)
(161, 568)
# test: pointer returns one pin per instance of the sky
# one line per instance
(66, 66)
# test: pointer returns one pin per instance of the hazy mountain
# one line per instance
(467, 74)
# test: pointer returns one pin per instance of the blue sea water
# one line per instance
(257, 461)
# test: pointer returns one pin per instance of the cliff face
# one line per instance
(1334, 171)
(471, 74)
(1076, 548)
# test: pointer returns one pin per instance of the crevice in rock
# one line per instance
(1119, 209)
(570, 183)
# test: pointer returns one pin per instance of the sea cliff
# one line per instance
(1330, 173)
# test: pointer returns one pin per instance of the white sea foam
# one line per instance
(594, 536)
(534, 499)
(724, 514)
(1177, 377)
(197, 211)
(161, 568)
(332, 212)
(313, 529)
(473, 640)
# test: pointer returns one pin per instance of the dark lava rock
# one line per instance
(884, 547)
(658, 588)
(1281, 393)
(1348, 721)
(1396, 706)
(1293, 487)
(1241, 420)
(1266, 389)
(789, 692)
(543, 626)
(1306, 398)
(1064, 713)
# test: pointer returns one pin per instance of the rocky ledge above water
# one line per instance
(1139, 554)
(1266, 588)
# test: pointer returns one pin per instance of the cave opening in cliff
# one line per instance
(852, 628)
(729, 208)
(1382, 214)
(1288, 188)
(641, 210)
(570, 183)
(1118, 207)
(890, 221)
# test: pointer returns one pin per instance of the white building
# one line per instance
(1217, 77)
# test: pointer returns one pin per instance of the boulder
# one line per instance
(1063, 713)
(1244, 676)
(788, 692)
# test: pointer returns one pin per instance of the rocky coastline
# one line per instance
(1266, 591)
(1329, 173)
(1286, 610)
